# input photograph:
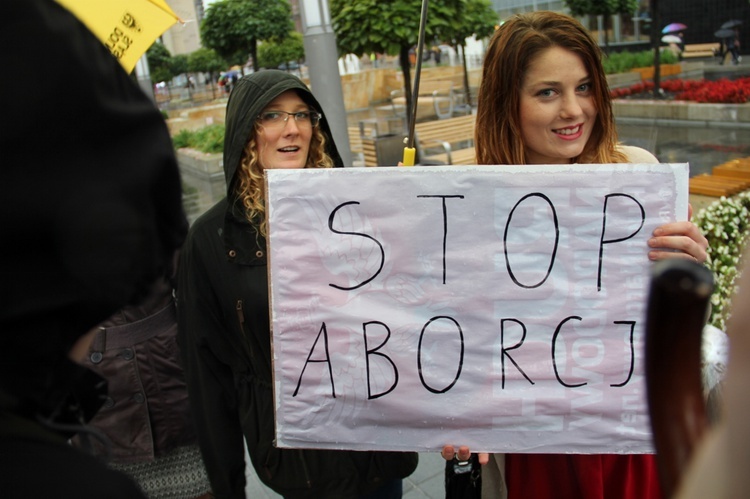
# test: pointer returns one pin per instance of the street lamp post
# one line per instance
(143, 75)
(321, 56)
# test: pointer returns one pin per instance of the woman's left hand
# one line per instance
(678, 240)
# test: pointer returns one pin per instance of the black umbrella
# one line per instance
(724, 33)
(731, 24)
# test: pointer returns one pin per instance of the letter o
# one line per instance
(460, 358)
(554, 248)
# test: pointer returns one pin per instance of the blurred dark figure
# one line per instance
(733, 46)
(146, 415)
(90, 215)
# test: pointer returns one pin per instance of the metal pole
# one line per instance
(417, 74)
(143, 75)
(321, 57)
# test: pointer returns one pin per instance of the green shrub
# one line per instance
(622, 62)
(726, 225)
(182, 139)
(209, 139)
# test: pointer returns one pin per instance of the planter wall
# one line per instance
(649, 110)
(205, 173)
(666, 70)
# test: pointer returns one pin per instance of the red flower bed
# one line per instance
(722, 91)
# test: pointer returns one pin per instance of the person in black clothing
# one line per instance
(733, 46)
(91, 215)
(272, 121)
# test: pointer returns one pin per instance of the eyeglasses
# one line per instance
(278, 119)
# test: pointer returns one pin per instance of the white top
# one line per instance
(637, 154)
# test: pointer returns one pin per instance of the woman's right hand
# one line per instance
(463, 454)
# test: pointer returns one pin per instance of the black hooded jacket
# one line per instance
(224, 335)
(91, 215)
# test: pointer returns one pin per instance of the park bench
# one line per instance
(452, 137)
(726, 179)
(696, 50)
(356, 136)
(439, 142)
(436, 98)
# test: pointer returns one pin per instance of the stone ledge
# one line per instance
(671, 111)
(204, 171)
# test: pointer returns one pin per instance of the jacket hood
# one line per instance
(248, 98)
(91, 212)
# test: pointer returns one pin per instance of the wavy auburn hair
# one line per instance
(512, 49)
(250, 185)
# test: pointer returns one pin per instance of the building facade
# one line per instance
(701, 17)
(184, 38)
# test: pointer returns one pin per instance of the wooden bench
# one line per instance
(725, 179)
(717, 186)
(437, 95)
(736, 168)
(695, 50)
(356, 135)
(453, 137)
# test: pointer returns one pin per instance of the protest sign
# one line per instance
(500, 307)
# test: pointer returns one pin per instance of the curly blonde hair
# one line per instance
(250, 185)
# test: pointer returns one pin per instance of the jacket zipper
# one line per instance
(245, 340)
(304, 468)
(240, 315)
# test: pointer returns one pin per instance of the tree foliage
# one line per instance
(273, 53)
(205, 60)
(179, 64)
(159, 63)
(602, 7)
(392, 27)
(475, 18)
(233, 28)
(605, 8)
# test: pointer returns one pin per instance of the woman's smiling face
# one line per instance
(557, 110)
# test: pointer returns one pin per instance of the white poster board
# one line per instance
(500, 307)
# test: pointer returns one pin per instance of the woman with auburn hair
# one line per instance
(544, 99)
(272, 121)
(512, 50)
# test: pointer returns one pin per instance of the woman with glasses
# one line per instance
(272, 121)
(544, 99)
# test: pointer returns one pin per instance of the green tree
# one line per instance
(275, 52)
(233, 28)
(179, 65)
(604, 8)
(160, 65)
(367, 26)
(475, 18)
(205, 60)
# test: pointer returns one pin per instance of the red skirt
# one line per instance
(579, 476)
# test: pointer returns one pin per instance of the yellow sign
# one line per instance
(126, 27)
